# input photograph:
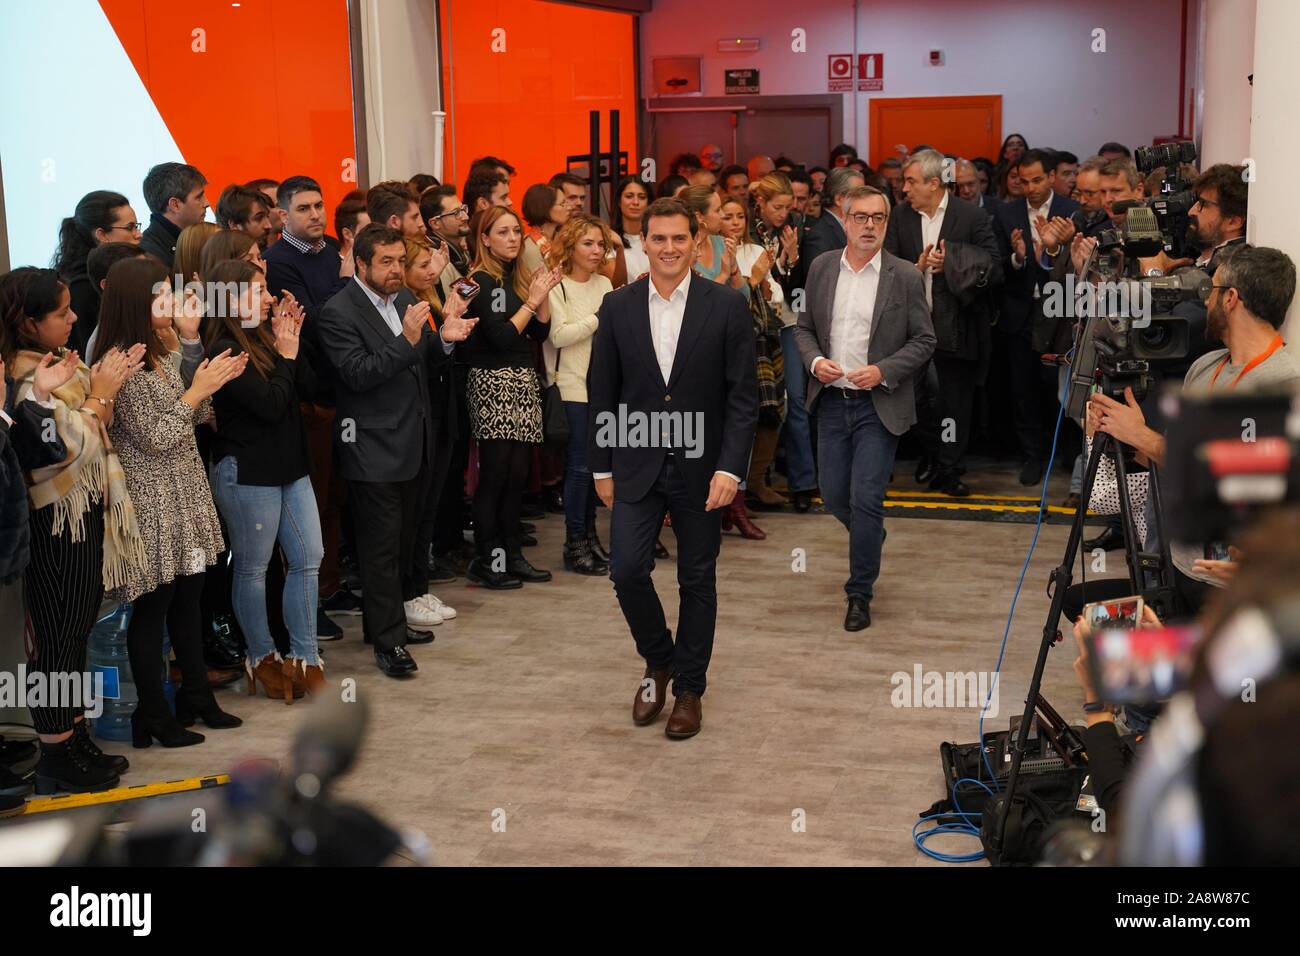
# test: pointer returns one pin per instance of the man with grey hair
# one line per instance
(828, 231)
(954, 247)
(967, 182)
(864, 338)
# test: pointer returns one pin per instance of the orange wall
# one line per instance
(271, 96)
(529, 105)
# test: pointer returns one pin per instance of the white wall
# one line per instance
(1035, 53)
(401, 70)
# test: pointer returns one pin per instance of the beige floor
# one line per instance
(521, 707)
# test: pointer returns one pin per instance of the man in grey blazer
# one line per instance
(865, 335)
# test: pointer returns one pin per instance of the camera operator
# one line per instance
(1247, 303)
(1214, 751)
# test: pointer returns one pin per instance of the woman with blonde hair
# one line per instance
(579, 248)
(772, 199)
(505, 398)
(424, 264)
(189, 250)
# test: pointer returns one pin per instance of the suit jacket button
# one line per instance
(668, 398)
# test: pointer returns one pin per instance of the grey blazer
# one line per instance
(902, 335)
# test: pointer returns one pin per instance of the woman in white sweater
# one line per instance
(579, 248)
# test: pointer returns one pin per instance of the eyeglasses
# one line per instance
(1202, 201)
(1205, 290)
(458, 211)
(128, 226)
(861, 218)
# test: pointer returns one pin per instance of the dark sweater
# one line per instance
(259, 421)
(21, 449)
(313, 280)
(159, 240)
(495, 342)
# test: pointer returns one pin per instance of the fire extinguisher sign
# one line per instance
(871, 72)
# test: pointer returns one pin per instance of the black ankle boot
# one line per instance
(203, 706)
(222, 649)
(579, 558)
(167, 731)
(81, 734)
(517, 565)
(598, 549)
(64, 766)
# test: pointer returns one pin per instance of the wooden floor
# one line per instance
(521, 708)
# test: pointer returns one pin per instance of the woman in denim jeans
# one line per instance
(579, 249)
(260, 467)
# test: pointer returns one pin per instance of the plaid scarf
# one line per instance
(91, 473)
(771, 359)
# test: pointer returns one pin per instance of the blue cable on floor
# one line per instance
(959, 821)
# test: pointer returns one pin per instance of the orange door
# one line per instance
(966, 126)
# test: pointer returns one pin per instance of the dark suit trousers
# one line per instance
(387, 514)
(1033, 395)
(441, 457)
(634, 527)
(946, 417)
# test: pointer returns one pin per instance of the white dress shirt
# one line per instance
(855, 301)
(665, 328)
(388, 310)
(387, 306)
(1033, 243)
(930, 227)
(666, 322)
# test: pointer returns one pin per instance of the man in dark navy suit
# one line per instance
(1027, 268)
(672, 395)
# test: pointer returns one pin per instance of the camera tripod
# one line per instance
(1140, 563)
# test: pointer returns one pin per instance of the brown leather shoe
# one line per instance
(685, 719)
(313, 679)
(645, 711)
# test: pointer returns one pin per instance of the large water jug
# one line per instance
(107, 656)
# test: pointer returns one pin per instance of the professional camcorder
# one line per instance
(1158, 223)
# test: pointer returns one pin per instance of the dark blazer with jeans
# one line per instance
(858, 429)
(714, 382)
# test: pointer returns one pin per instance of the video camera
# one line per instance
(1133, 324)
(1158, 223)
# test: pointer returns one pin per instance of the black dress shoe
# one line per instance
(396, 663)
(13, 785)
(519, 567)
(597, 549)
(802, 501)
(527, 527)
(1031, 472)
(858, 616)
(526, 540)
(950, 485)
(480, 572)
(418, 637)
(531, 512)
(342, 601)
(926, 469)
(1112, 539)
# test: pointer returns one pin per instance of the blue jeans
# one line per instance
(579, 489)
(856, 455)
(256, 517)
(801, 469)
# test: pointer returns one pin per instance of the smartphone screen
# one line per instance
(1143, 665)
(1121, 613)
(465, 288)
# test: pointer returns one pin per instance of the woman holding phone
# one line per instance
(505, 399)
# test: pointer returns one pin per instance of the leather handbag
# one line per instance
(555, 423)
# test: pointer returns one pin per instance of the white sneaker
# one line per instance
(445, 611)
(419, 615)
